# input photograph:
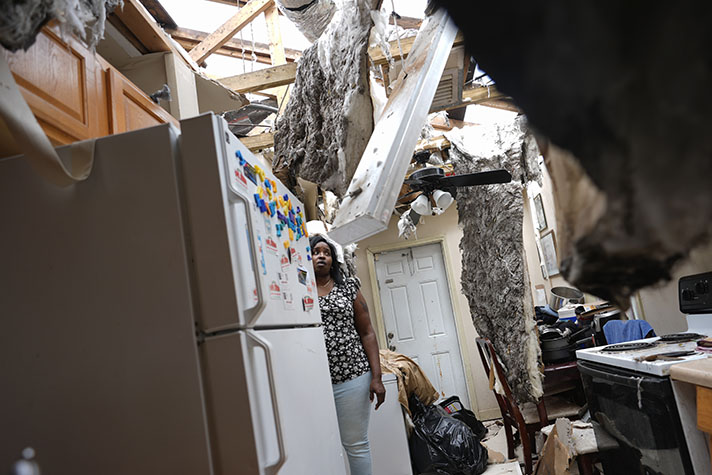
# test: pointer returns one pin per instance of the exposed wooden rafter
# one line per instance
(406, 44)
(188, 39)
(276, 51)
(141, 30)
(262, 79)
(228, 29)
(409, 23)
(159, 13)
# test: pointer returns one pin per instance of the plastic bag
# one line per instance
(454, 407)
(443, 445)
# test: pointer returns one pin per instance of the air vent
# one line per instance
(449, 90)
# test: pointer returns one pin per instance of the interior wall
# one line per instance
(483, 401)
(530, 235)
(660, 305)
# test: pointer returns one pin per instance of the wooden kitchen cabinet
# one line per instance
(75, 94)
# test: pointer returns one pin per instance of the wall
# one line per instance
(483, 401)
(660, 303)
(531, 233)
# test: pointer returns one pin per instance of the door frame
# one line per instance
(371, 252)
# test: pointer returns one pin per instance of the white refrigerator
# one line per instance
(162, 317)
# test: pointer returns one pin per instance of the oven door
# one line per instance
(639, 411)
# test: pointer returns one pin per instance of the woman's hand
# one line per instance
(378, 390)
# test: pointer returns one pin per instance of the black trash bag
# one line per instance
(443, 445)
(454, 407)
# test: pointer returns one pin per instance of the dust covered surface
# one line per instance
(494, 272)
(624, 86)
(329, 118)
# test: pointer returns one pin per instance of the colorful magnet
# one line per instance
(307, 303)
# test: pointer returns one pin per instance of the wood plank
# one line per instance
(258, 142)
(409, 23)
(406, 44)
(143, 26)
(262, 79)
(704, 409)
(228, 29)
(159, 13)
(188, 39)
(276, 51)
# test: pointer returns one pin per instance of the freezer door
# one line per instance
(98, 360)
(248, 235)
(283, 419)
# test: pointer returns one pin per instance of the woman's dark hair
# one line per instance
(335, 270)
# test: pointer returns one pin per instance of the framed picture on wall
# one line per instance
(540, 215)
(548, 248)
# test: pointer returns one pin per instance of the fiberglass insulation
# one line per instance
(494, 271)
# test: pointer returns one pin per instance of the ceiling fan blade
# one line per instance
(480, 178)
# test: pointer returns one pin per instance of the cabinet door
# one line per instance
(62, 83)
(130, 108)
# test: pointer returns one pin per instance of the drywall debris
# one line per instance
(494, 272)
(328, 120)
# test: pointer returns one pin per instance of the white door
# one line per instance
(418, 315)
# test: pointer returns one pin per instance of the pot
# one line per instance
(560, 296)
(556, 345)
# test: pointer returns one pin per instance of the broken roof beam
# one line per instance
(406, 44)
(262, 79)
(227, 30)
(188, 39)
(372, 194)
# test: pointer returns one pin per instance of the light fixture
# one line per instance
(443, 199)
(421, 205)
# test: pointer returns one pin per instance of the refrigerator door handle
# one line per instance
(273, 396)
(255, 312)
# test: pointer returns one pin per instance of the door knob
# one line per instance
(392, 347)
(390, 335)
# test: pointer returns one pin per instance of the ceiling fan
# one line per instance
(432, 181)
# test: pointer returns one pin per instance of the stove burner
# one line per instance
(681, 337)
(629, 346)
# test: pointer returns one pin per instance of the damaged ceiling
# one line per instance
(624, 86)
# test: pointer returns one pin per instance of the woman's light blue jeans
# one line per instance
(353, 409)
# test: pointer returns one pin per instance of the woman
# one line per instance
(352, 350)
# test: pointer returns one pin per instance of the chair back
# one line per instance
(493, 368)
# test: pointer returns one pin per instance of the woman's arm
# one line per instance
(368, 340)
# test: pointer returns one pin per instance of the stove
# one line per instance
(632, 355)
(630, 382)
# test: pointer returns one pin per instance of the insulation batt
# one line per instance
(310, 16)
(494, 271)
(625, 87)
(21, 20)
(329, 118)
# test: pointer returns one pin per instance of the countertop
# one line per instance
(698, 372)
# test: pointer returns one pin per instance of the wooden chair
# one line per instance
(527, 417)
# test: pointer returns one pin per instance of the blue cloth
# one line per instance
(353, 409)
(619, 331)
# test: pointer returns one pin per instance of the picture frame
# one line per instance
(540, 214)
(548, 249)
